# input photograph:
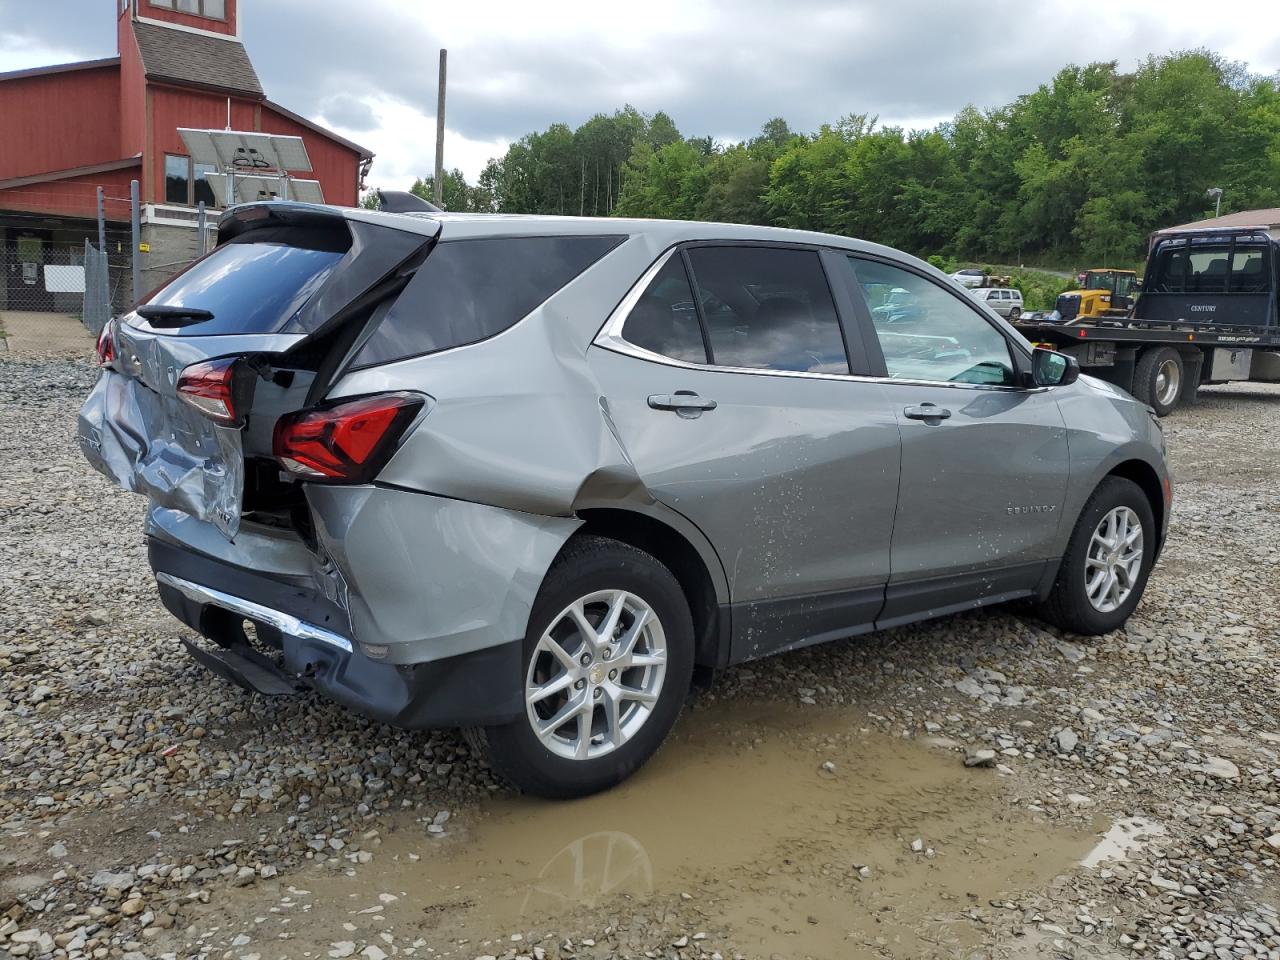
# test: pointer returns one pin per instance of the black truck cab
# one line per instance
(1220, 276)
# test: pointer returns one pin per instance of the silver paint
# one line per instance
(795, 484)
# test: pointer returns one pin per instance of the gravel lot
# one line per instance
(816, 804)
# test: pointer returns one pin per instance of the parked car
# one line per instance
(522, 475)
(970, 277)
(899, 306)
(1005, 301)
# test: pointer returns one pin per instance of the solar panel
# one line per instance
(246, 151)
(250, 188)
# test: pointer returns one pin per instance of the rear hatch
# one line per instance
(196, 376)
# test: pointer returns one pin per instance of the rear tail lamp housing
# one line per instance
(347, 441)
(213, 388)
(107, 344)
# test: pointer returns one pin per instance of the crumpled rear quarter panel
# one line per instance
(432, 577)
(158, 446)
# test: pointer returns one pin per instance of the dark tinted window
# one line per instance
(665, 319)
(203, 188)
(249, 287)
(469, 290)
(768, 307)
(176, 177)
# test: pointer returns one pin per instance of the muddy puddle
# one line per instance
(795, 834)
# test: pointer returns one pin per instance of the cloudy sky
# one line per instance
(719, 67)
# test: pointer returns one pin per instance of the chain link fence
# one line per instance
(97, 289)
(63, 277)
(56, 293)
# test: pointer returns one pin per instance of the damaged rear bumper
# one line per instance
(304, 641)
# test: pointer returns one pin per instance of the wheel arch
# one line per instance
(688, 556)
(1148, 480)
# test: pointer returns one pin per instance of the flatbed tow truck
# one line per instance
(1208, 313)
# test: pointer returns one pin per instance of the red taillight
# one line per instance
(347, 442)
(107, 344)
(207, 386)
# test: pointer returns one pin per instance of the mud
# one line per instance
(815, 838)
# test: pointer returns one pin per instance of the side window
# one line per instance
(925, 333)
(768, 308)
(665, 319)
(470, 290)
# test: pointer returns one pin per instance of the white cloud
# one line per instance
(19, 52)
(403, 139)
(713, 65)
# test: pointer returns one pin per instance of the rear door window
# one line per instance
(470, 290)
(248, 286)
(768, 308)
(665, 318)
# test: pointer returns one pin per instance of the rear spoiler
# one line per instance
(254, 216)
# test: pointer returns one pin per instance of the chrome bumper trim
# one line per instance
(284, 622)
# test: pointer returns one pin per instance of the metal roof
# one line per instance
(1268, 217)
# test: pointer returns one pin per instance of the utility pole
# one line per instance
(439, 181)
(1216, 194)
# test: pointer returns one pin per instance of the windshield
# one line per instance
(248, 287)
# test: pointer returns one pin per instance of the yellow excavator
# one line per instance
(1106, 293)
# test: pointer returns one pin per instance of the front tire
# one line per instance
(1108, 560)
(608, 659)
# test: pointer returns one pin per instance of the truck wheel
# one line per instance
(1015, 314)
(1104, 571)
(608, 659)
(1157, 380)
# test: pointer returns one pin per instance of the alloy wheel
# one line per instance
(595, 674)
(1114, 560)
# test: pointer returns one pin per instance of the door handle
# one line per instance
(685, 403)
(926, 411)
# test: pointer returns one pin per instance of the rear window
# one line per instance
(1208, 267)
(470, 290)
(249, 287)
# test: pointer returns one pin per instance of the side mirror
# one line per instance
(1049, 368)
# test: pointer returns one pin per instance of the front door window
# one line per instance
(926, 333)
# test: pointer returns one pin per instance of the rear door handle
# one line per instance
(685, 403)
(926, 411)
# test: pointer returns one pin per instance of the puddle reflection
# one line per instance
(799, 835)
(589, 871)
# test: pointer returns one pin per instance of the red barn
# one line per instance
(66, 130)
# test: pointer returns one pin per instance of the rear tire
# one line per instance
(1015, 314)
(1082, 602)
(619, 691)
(1158, 379)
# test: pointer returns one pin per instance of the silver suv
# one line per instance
(523, 475)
